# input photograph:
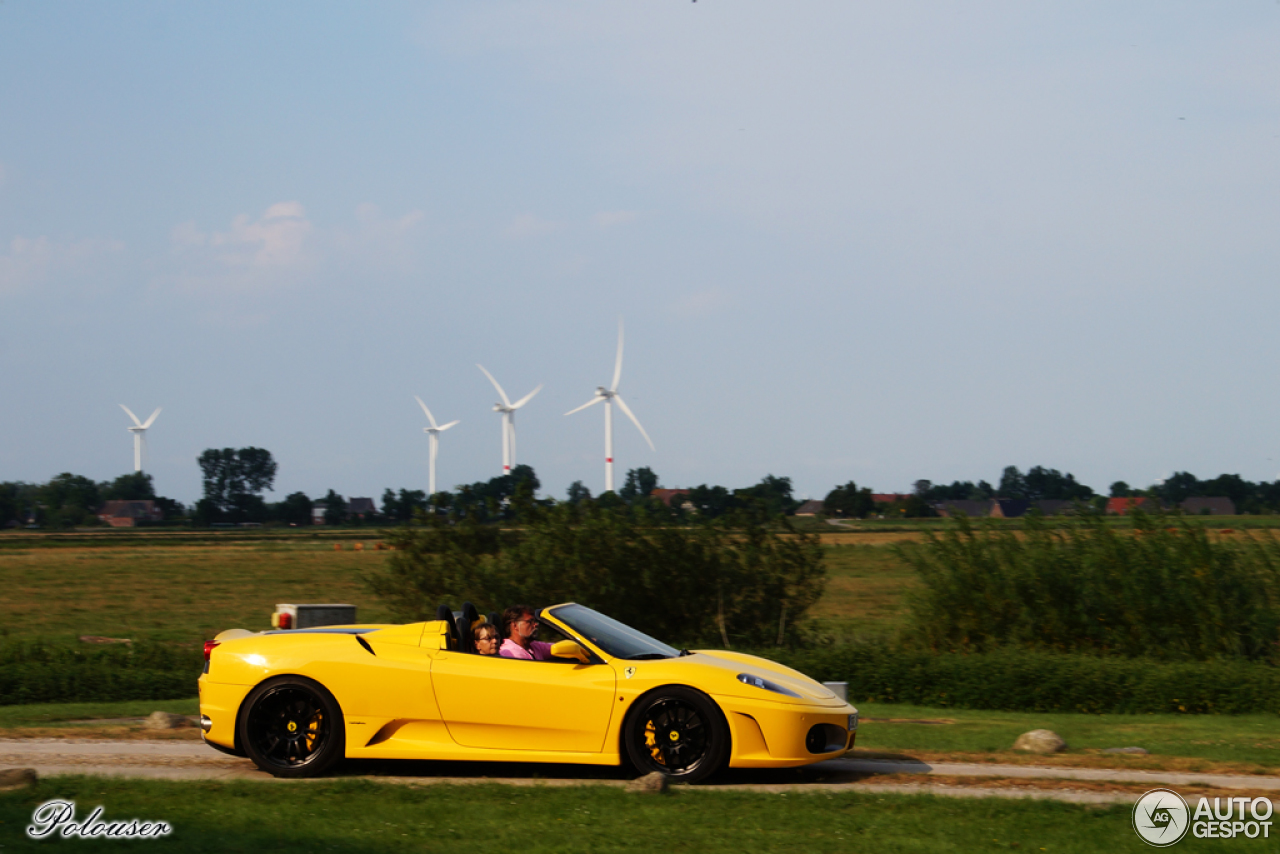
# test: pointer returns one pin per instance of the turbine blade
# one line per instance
(495, 384)
(447, 426)
(528, 397)
(617, 367)
(592, 402)
(430, 417)
(634, 420)
(136, 422)
(152, 419)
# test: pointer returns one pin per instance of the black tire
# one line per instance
(678, 732)
(292, 727)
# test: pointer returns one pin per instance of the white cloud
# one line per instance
(377, 239)
(31, 261)
(609, 219)
(282, 247)
(528, 225)
(252, 253)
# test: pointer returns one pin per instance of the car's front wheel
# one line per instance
(678, 732)
(292, 727)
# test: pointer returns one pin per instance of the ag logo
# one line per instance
(629, 672)
(1161, 817)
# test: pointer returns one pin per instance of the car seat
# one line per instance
(466, 623)
(452, 638)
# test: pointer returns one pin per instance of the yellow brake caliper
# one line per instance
(651, 742)
(313, 729)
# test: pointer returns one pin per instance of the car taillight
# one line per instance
(208, 648)
(286, 620)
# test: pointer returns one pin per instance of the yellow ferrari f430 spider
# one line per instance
(297, 701)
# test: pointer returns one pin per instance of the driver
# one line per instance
(521, 628)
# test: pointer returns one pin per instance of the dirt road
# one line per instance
(178, 760)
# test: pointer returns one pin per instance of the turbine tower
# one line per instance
(139, 430)
(609, 395)
(508, 410)
(433, 433)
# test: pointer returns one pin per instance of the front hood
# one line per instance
(716, 671)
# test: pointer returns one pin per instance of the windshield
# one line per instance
(616, 639)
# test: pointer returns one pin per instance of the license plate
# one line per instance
(853, 721)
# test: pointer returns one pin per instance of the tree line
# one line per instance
(234, 481)
(70, 500)
(1041, 483)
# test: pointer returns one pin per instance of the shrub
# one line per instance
(1034, 681)
(1161, 589)
(36, 672)
(704, 585)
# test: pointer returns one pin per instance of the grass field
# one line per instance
(175, 592)
(361, 817)
(1250, 742)
(866, 587)
(188, 592)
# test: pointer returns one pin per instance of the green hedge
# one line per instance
(36, 672)
(1009, 680)
(1015, 680)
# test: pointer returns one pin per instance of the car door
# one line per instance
(512, 704)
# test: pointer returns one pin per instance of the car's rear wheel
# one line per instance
(293, 727)
(678, 732)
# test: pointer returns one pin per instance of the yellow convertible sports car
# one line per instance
(297, 701)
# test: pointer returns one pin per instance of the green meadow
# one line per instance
(364, 817)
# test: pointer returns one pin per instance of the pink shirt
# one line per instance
(537, 651)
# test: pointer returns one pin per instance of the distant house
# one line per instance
(973, 509)
(666, 496)
(1009, 508)
(1122, 506)
(361, 508)
(356, 508)
(1201, 505)
(889, 497)
(812, 507)
(1054, 507)
(119, 513)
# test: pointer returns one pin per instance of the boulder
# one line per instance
(166, 720)
(654, 784)
(1040, 741)
(16, 778)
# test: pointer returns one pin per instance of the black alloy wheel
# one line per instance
(293, 728)
(678, 732)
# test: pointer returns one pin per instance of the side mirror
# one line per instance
(570, 649)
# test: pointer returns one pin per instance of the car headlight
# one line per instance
(760, 682)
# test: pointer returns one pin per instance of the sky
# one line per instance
(856, 241)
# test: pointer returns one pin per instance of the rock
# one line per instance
(1040, 741)
(16, 778)
(654, 783)
(1135, 751)
(166, 720)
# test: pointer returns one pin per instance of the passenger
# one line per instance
(486, 638)
(521, 629)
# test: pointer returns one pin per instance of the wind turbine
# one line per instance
(433, 433)
(609, 395)
(508, 410)
(139, 430)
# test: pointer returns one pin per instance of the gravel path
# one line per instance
(176, 760)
